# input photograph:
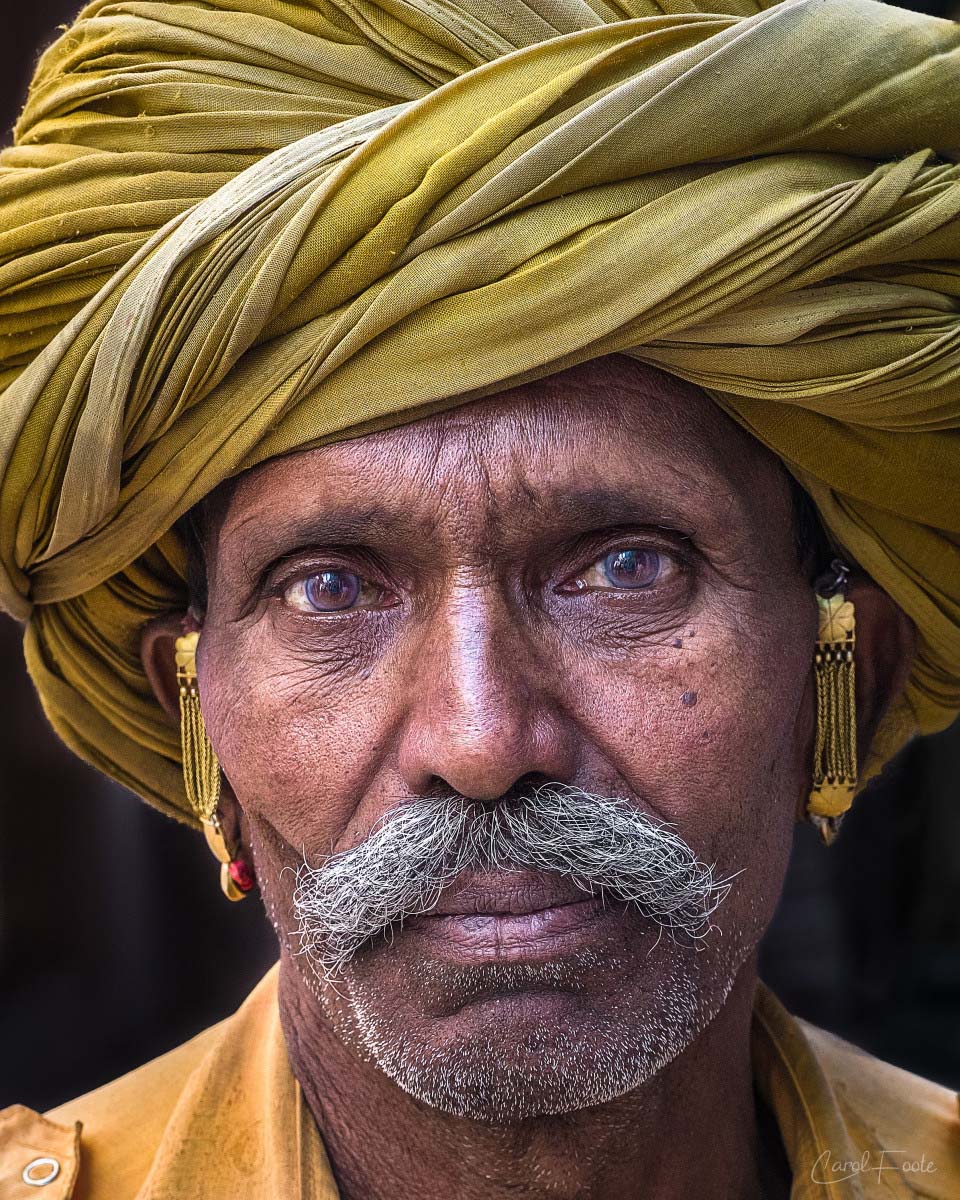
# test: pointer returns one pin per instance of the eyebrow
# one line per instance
(574, 511)
(272, 537)
(600, 505)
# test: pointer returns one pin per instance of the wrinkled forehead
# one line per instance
(611, 441)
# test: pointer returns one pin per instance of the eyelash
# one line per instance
(675, 563)
(671, 563)
(303, 582)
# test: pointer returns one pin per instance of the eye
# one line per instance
(332, 591)
(627, 569)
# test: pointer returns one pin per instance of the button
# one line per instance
(40, 1172)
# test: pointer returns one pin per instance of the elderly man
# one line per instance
(493, 471)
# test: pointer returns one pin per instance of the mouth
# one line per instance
(515, 917)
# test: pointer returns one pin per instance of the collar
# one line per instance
(241, 1125)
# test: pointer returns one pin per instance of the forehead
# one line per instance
(574, 447)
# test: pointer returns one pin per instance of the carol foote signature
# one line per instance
(833, 1168)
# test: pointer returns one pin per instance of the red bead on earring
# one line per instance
(241, 873)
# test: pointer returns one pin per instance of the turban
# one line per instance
(233, 230)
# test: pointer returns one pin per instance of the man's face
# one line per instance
(589, 581)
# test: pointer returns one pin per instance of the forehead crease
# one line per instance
(579, 459)
(553, 450)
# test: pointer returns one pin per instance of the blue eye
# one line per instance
(332, 590)
(632, 568)
(629, 569)
(327, 591)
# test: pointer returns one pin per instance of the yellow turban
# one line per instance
(237, 229)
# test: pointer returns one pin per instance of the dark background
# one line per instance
(115, 943)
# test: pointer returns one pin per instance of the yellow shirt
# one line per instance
(223, 1117)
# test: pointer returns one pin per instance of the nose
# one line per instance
(483, 712)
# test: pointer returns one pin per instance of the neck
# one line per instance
(691, 1130)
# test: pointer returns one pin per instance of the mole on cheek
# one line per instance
(688, 699)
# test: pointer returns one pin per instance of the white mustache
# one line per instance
(603, 845)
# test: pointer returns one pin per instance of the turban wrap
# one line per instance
(235, 229)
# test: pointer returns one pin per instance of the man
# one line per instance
(429, 474)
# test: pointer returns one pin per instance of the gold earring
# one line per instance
(201, 773)
(201, 770)
(835, 745)
(237, 880)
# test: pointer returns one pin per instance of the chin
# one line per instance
(503, 1044)
(504, 1077)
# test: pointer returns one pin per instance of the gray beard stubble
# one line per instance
(606, 847)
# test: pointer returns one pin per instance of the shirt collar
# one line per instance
(242, 1125)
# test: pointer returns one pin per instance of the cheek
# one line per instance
(294, 741)
(708, 728)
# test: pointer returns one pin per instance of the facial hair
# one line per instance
(607, 847)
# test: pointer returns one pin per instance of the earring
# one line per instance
(236, 875)
(201, 773)
(835, 745)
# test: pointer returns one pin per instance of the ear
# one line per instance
(886, 647)
(157, 647)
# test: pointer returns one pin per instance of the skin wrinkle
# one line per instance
(482, 678)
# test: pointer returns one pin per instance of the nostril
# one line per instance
(522, 786)
(528, 783)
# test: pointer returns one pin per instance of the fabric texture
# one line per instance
(223, 1116)
(236, 229)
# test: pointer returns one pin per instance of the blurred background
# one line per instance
(116, 945)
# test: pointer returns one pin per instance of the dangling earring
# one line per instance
(237, 879)
(835, 746)
(201, 773)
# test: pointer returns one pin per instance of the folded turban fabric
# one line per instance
(235, 229)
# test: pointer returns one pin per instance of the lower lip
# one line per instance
(540, 936)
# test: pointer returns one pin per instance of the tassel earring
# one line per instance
(201, 773)
(835, 746)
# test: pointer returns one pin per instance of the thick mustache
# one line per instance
(604, 845)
